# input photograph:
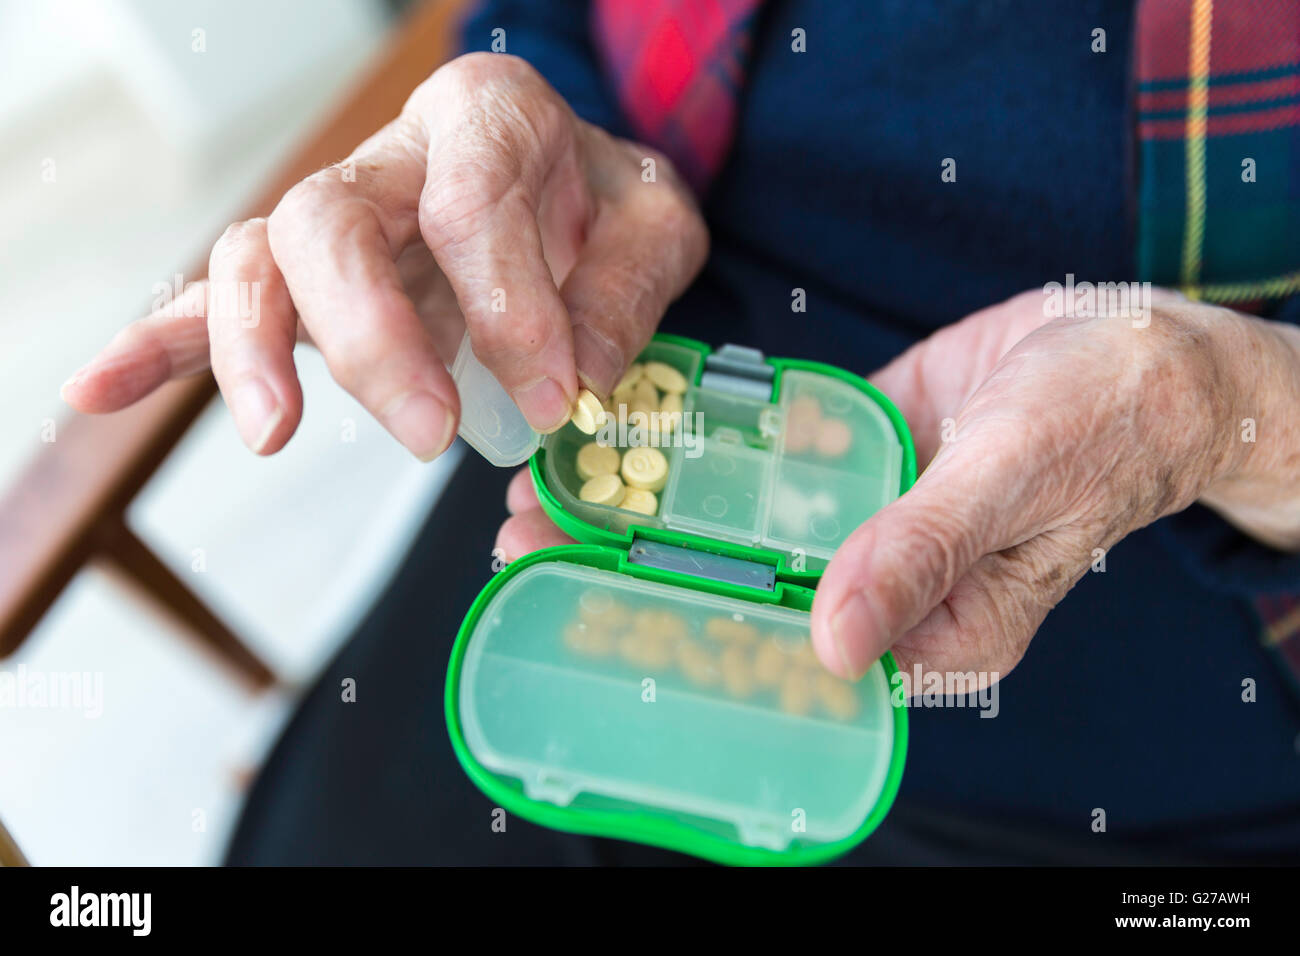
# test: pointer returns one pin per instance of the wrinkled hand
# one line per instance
(487, 203)
(1047, 442)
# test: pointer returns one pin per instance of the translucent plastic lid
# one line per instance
(602, 691)
(490, 421)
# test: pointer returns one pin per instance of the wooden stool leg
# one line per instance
(118, 544)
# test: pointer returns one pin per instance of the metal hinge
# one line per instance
(739, 370)
(702, 564)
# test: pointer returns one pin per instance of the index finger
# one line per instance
(497, 134)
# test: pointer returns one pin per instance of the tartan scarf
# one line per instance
(1217, 86)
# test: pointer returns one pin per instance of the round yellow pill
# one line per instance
(837, 696)
(645, 468)
(596, 459)
(641, 501)
(697, 664)
(623, 395)
(729, 629)
(587, 639)
(630, 377)
(646, 395)
(670, 413)
(603, 490)
(660, 623)
(738, 672)
(797, 693)
(646, 650)
(598, 607)
(805, 656)
(588, 413)
(770, 663)
(665, 377)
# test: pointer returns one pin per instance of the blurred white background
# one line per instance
(154, 147)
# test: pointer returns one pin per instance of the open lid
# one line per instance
(490, 421)
(585, 696)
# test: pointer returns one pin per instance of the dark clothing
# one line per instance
(1130, 697)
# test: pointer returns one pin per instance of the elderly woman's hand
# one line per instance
(486, 203)
(1047, 442)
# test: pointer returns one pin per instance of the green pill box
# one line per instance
(655, 682)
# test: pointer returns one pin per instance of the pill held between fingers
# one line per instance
(588, 413)
(641, 501)
(596, 459)
(603, 490)
(630, 377)
(833, 438)
(665, 377)
(645, 468)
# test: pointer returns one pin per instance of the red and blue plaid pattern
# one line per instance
(1218, 91)
(678, 66)
(1218, 100)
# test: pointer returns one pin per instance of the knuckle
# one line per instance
(301, 205)
(482, 68)
(459, 200)
(238, 239)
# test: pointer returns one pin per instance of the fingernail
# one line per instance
(544, 404)
(420, 422)
(849, 631)
(256, 412)
(600, 361)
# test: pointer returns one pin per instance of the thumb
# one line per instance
(905, 560)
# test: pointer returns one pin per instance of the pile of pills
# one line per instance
(630, 479)
(622, 479)
(728, 653)
(809, 430)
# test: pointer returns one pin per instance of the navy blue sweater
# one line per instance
(1130, 697)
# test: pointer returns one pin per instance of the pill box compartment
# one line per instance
(687, 718)
(794, 475)
(839, 461)
(559, 464)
